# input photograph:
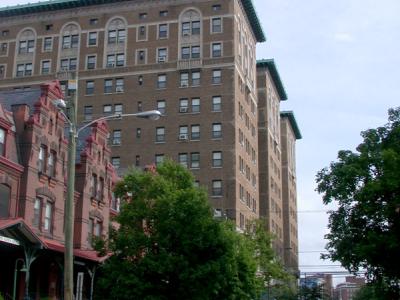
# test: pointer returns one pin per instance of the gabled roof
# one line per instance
(52, 5)
(290, 115)
(270, 65)
(27, 97)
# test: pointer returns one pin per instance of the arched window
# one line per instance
(116, 31)
(5, 195)
(70, 36)
(26, 41)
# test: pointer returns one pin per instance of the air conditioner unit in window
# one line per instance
(217, 213)
(183, 109)
(161, 59)
(119, 89)
(184, 83)
(183, 137)
(110, 65)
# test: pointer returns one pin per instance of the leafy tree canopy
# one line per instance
(365, 229)
(169, 246)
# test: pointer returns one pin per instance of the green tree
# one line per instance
(169, 246)
(365, 228)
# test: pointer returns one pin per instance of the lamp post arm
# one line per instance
(114, 116)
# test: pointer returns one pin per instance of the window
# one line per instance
(47, 44)
(162, 81)
(3, 48)
(216, 103)
(195, 132)
(87, 113)
(116, 162)
(216, 77)
(119, 85)
(138, 133)
(142, 33)
(140, 80)
(37, 212)
(98, 228)
(108, 86)
(184, 79)
(2, 71)
(139, 106)
(107, 109)
(216, 130)
(195, 160)
(160, 134)
(42, 159)
(27, 46)
(115, 60)
(190, 52)
(183, 105)
(24, 70)
(216, 7)
(216, 50)
(45, 67)
(137, 160)
(51, 163)
(2, 141)
(70, 41)
(116, 137)
(195, 78)
(141, 55)
(142, 16)
(68, 64)
(195, 27)
(185, 52)
(162, 31)
(216, 188)
(159, 158)
(196, 105)
(100, 191)
(89, 87)
(183, 132)
(118, 108)
(195, 52)
(163, 13)
(162, 55)
(5, 197)
(93, 21)
(217, 159)
(91, 62)
(185, 28)
(5, 33)
(216, 25)
(92, 38)
(183, 159)
(161, 106)
(116, 36)
(48, 216)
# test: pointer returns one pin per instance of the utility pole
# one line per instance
(69, 203)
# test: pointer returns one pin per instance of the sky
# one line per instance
(339, 62)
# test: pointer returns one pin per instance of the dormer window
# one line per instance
(2, 141)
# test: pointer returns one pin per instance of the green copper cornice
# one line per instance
(270, 65)
(290, 115)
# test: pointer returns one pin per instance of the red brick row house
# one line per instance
(33, 172)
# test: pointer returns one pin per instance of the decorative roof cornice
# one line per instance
(254, 20)
(270, 65)
(290, 115)
(52, 5)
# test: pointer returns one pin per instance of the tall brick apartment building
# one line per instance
(33, 158)
(195, 61)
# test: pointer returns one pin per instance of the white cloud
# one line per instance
(343, 37)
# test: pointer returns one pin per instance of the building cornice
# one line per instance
(58, 5)
(270, 65)
(293, 123)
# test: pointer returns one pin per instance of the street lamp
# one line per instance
(69, 205)
(23, 269)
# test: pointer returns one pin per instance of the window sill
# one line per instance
(159, 142)
(216, 196)
(116, 145)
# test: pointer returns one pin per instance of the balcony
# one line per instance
(186, 64)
